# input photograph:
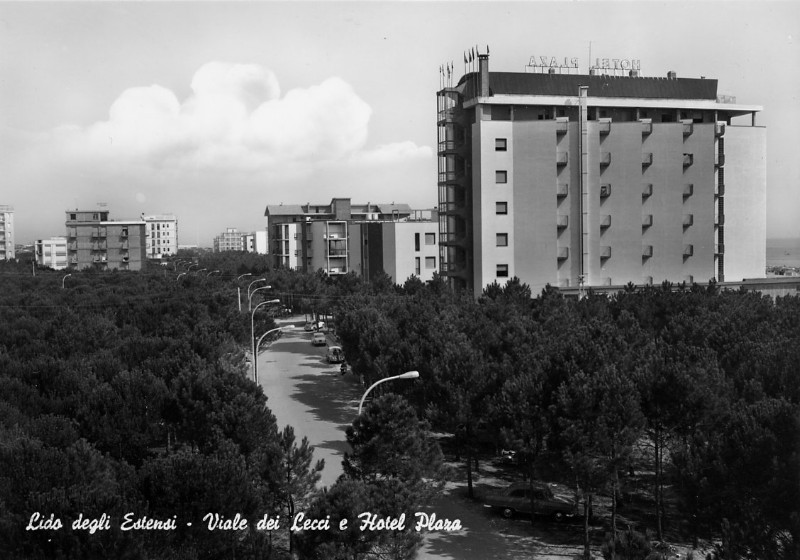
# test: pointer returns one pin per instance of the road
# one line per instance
(303, 390)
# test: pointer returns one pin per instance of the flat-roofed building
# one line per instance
(7, 250)
(568, 179)
(95, 241)
(52, 252)
(255, 242)
(162, 235)
(229, 240)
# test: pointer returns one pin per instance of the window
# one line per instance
(73, 216)
(501, 176)
(430, 239)
(416, 266)
(501, 207)
(416, 242)
(502, 240)
(502, 271)
(430, 263)
(500, 144)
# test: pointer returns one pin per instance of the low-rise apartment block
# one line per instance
(95, 241)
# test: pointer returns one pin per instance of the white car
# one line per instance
(319, 339)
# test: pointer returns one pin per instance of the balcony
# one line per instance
(647, 126)
(73, 260)
(446, 115)
(688, 220)
(688, 190)
(448, 176)
(98, 234)
(719, 190)
(647, 190)
(562, 125)
(563, 253)
(719, 160)
(605, 190)
(719, 129)
(605, 252)
(647, 220)
(647, 251)
(99, 246)
(337, 253)
(719, 220)
(605, 221)
(99, 259)
(604, 126)
(562, 221)
(450, 207)
(605, 158)
(562, 158)
(72, 246)
(719, 249)
(449, 146)
(688, 128)
(562, 190)
(688, 159)
(647, 158)
(688, 250)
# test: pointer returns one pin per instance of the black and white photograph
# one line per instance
(399, 280)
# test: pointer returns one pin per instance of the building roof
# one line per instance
(325, 209)
(520, 83)
(284, 210)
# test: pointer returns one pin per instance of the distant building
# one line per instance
(366, 239)
(255, 242)
(597, 179)
(52, 252)
(162, 235)
(229, 240)
(6, 232)
(95, 241)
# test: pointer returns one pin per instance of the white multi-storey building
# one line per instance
(6, 232)
(52, 252)
(162, 235)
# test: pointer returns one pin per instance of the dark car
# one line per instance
(517, 499)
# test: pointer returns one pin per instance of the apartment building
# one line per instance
(255, 242)
(52, 252)
(162, 235)
(229, 240)
(7, 233)
(94, 241)
(343, 237)
(597, 179)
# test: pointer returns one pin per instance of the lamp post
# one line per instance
(243, 275)
(201, 270)
(63, 280)
(239, 290)
(250, 285)
(253, 334)
(406, 375)
(188, 268)
(250, 298)
(212, 272)
(258, 345)
(179, 276)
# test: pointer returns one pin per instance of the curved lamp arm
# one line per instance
(406, 375)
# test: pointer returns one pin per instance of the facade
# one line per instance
(6, 233)
(255, 242)
(597, 180)
(52, 252)
(342, 237)
(229, 240)
(95, 241)
(162, 235)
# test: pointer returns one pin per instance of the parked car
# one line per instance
(309, 326)
(335, 355)
(516, 498)
(319, 339)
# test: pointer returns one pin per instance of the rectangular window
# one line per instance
(416, 242)
(430, 239)
(430, 263)
(416, 266)
(502, 240)
(500, 144)
(501, 207)
(502, 271)
(501, 176)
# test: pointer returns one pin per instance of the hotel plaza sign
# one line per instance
(571, 63)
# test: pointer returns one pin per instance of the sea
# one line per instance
(783, 252)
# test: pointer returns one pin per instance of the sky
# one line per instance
(211, 110)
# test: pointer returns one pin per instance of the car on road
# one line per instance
(516, 498)
(335, 355)
(319, 339)
(309, 326)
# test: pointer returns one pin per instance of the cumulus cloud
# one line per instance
(234, 120)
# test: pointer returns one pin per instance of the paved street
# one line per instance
(305, 391)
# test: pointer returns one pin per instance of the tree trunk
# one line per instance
(587, 507)
(658, 490)
(615, 489)
(469, 475)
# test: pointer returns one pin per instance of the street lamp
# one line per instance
(243, 275)
(188, 268)
(406, 375)
(239, 290)
(63, 280)
(179, 276)
(250, 285)
(210, 273)
(201, 270)
(258, 344)
(253, 334)
(250, 298)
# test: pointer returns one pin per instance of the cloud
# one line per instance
(235, 120)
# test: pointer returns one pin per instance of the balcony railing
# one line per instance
(688, 250)
(719, 249)
(719, 220)
(688, 220)
(647, 220)
(562, 125)
(719, 190)
(605, 252)
(647, 251)
(563, 253)
(719, 129)
(647, 158)
(688, 190)
(605, 190)
(604, 126)
(647, 190)
(447, 176)
(605, 158)
(688, 128)
(446, 115)
(719, 160)
(562, 190)
(562, 222)
(688, 159)
(562, 158)
(605, 221)
(448, 146)
(647, 126)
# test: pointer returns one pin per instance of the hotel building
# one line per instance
(596, 180)
(342, 237)
(6, 233)
(162, 235)
(95, 241)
